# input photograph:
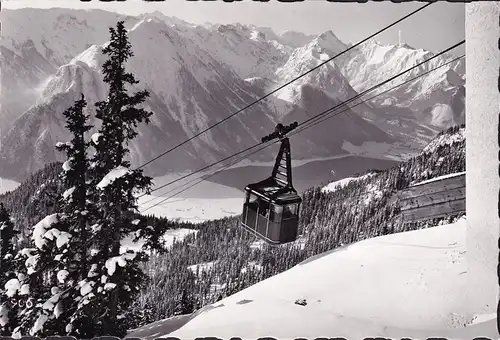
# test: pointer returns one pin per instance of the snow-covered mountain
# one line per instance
(437, 98)
(36, 42)
(196, 75)
(357, 291)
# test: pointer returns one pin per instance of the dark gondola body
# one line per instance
(271, 208)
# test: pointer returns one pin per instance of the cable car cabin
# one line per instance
(275, 220)
(271, 208)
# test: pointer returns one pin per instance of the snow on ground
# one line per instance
(333, 186)
(439, 178)
(445, 139)
(402, 285)
(204, 201)
(373, 192)
(194, 210)
(7, 185)
(201, 267)
(379, 54)
(480, 318)
(251, 265)
(176, 235)
(169, 238)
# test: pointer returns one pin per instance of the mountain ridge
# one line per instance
(195, 74)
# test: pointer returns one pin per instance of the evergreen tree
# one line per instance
(58, 263)
(115, 185)
(185, 304)
(76, 210)
(75, 205)
(8, 237)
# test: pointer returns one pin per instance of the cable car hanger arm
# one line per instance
(280, 132)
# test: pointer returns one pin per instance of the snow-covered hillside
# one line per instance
(437, 98)
(402, 285)
(169, 238)
(197, 75)
(445, 139)
(330, 187)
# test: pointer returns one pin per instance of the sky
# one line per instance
(439, 26)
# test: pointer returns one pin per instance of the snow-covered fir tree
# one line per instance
(75, 175)
(76, 210)
(57, 263)
(8, 238)
(118, 277)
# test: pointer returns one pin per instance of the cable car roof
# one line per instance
(272, 191)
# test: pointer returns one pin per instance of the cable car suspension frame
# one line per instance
(271, 208)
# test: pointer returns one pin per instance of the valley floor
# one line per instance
(204, 201)
(402, 285)
(7, 185)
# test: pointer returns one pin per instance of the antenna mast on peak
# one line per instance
(399, 35)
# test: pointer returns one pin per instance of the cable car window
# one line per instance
(276, 212)
(264, 208)
(290, 210)
(252, 198)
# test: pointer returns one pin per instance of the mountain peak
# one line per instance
(329, 43)
(327, 35)
(147, 19)
(92, 56)
(375, 43)
(157, 13)
(405, 45)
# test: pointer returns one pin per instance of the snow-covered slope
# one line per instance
(36, 42)
(327, 78)
(358, 291)
(170, 237)
(333, 186)
(57, 34)
(246, 50)
(286, 38)
(445, 139)
(436, 98)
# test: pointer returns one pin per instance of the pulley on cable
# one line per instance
(271, 208)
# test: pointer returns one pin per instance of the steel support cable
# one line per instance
(306, 126)
(204, 178)
(382, 83)
(379, 94)
(322, 113)
(284, 85)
